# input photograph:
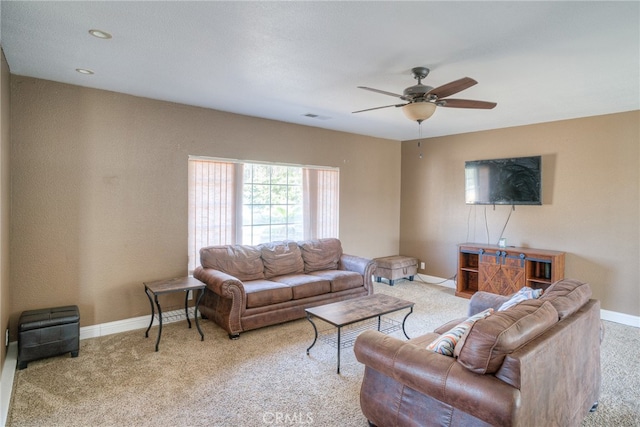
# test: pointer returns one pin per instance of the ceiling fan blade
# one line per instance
(453, 87)
(384, 92)
(377, 108)
(466, 103)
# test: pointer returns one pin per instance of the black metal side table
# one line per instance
(178, 284)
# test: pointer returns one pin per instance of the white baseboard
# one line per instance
(6, 381)
(612, 316)
(131, 324)
(625, 319)
(118, 326)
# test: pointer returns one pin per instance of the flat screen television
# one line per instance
(512, 181)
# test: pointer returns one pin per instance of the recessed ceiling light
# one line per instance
(84, 71)
(100, 34)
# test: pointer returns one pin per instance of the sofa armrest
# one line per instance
(438, 376)
(364, 266)
(224, 300)
(449, 325)
(221, 283)
(481, 300)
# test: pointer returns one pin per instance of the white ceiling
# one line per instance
(540, 61)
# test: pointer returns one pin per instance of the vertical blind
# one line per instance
(212, 206)
(321, 207)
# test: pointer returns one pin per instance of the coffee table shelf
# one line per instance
(350, 333)
(349, 318)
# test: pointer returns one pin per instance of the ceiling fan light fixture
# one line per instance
(419, 111)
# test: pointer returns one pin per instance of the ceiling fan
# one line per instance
(421, 100)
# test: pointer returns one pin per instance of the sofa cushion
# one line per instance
(304, 285)
(280, 258)
(486, 345)
(266, 292)
(341, 280)
(523, 294)
(323, 254)
(241, 261)
(446, 343)
(567, 296)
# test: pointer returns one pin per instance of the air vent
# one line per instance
(316, 116)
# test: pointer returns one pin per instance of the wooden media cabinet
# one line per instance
(504, 271)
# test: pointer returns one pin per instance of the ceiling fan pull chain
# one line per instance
(420, 137)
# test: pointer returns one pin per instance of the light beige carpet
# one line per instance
(264, 378)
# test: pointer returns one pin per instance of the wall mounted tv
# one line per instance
(512, 181)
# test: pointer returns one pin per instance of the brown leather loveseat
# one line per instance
(249, 287)
(536, 363)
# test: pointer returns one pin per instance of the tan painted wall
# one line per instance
(591, 192)
(99, 194)
(5, 188)
(100, 190)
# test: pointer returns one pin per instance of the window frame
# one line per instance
(320, 188)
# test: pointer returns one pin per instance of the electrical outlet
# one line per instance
(422, 266)
(190, 296)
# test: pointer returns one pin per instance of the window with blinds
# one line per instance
(233, 202)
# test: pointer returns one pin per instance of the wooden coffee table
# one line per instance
(347, 313)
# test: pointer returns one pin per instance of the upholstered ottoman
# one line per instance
(395, 267)
(48, 332)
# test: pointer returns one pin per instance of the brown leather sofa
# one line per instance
(534, 364)
(249, 287)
